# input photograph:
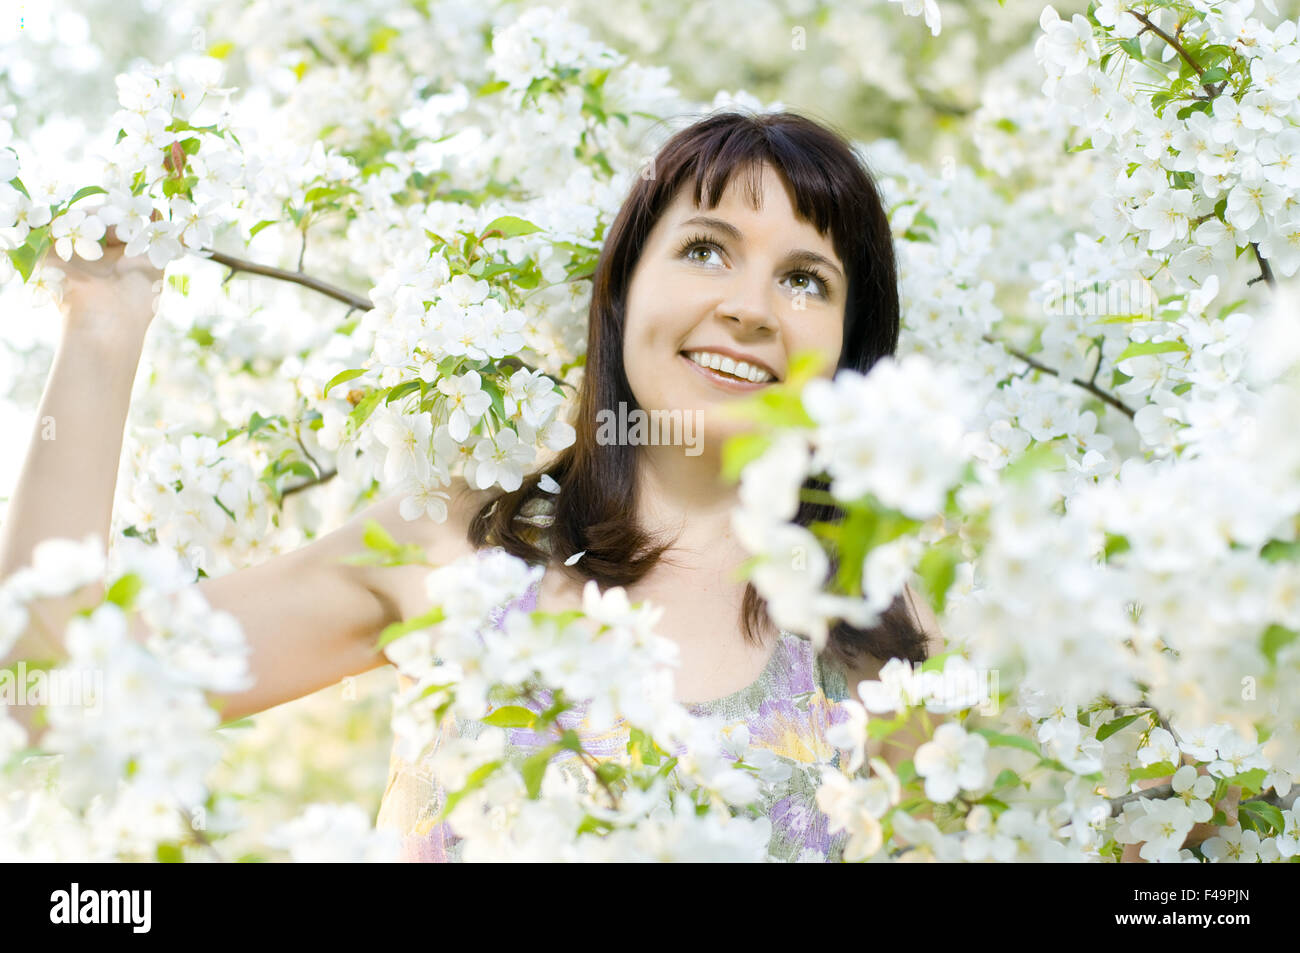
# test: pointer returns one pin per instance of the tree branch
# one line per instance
(356, 302)
(1265, 272)
(307, 281)
(1178, 47)
(1089, 386)
(307, 484)
(1164, 791)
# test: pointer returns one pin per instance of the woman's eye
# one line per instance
(813, 286)
(812, 283)
(701, 247)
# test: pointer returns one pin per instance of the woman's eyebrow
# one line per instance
(802, 256)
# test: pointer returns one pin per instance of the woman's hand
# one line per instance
(114, 298)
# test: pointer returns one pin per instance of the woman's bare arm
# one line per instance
(66, 484)
(309, 618)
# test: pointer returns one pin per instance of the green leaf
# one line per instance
(170, 854)
(401, 390)
(1116, 544)
(83, 192)
(472, 783)
(640, 745)
(511, 716)
(937, 568)
(1039, 456)
(173, 186)
(1277, 550)
(493, 390)
(907, 771)
(341, 377)
(1108, 729)
(488, 89)
(1215, 75)
(534, 768)
(123, 592)
(376, 537)
(1150, 347)
(1275, 638)
(24, 260)
(1161, 769)
(1250, 781)
(1005, 779)
(362, 411)
(510, 226)
(999, 740)
(740, 451)
(1262, 817)
(398, 629)
(325, 192)
(258, 422)
(252, 232)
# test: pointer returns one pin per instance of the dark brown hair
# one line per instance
(595, 507)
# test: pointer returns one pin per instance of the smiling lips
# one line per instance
(728, 372)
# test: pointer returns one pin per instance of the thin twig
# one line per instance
(307, 281)
(307, 454)
(1164, 791)
(354, 301)
(307, 484)
(1265, 272)
(1086, 385)
(1178, 47)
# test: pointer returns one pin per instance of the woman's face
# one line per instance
(730, 283)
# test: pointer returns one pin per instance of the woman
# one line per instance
(753, 237)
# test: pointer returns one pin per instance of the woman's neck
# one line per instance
(685, 497)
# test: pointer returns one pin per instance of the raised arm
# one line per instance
(309, 618)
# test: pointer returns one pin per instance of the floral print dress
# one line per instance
(787, 710)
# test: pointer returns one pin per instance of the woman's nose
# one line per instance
(749, 304)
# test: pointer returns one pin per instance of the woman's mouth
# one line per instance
(730, 381)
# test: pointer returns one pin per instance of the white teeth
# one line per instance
(728, 366)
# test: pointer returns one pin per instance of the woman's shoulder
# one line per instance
(442, 541)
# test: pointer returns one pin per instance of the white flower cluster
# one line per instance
(1087, 582)
(1242, 150)
(541, 42)
(334, 834)
(125, 760)
(906, 452)
(426, 315)
(606, 658)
